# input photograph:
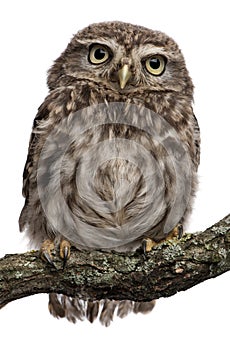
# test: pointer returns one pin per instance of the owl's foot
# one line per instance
(48, 249)
(148, 244)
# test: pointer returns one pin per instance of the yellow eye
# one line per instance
(155, 65)
(98, 54)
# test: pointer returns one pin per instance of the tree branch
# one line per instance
(170, 267)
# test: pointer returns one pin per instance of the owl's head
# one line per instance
(122, 57)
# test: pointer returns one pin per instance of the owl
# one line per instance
(113, 155)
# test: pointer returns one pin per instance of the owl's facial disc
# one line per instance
(124, 75)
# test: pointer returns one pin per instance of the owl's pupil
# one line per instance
(154, 63)
(99, 54)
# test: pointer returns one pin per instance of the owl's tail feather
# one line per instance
(76, 309)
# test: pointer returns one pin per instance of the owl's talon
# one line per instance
(48, 258)
(147, 245)
(180, 230)
(65, 251)
(177, 231)
(46, 251)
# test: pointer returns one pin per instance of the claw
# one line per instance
(180, 230)
(46, 251)
(147, 245)
(143, 246)
(177, 231)
(65, 251)
(48, 258)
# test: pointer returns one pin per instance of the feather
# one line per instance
(107, 313)
(144, 307)
(124, 308)
(92, 310)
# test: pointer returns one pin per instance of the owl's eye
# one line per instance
(155, 65)
(98, 54)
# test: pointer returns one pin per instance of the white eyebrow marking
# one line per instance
(148, 50)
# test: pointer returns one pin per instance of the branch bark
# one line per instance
(172, 266)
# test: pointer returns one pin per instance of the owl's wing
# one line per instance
(52, 110)
(28, 166)
(28, 169)
(197, 140)
(42, 114)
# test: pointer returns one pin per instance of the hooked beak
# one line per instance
(124, 75)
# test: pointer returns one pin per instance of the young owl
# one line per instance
(113, 155)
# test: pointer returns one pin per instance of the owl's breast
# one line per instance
(114, 172)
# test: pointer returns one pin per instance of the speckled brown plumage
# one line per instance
(114, 151)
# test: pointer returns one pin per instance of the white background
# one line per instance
(33, 34)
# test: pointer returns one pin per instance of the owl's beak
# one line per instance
(124, 75)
